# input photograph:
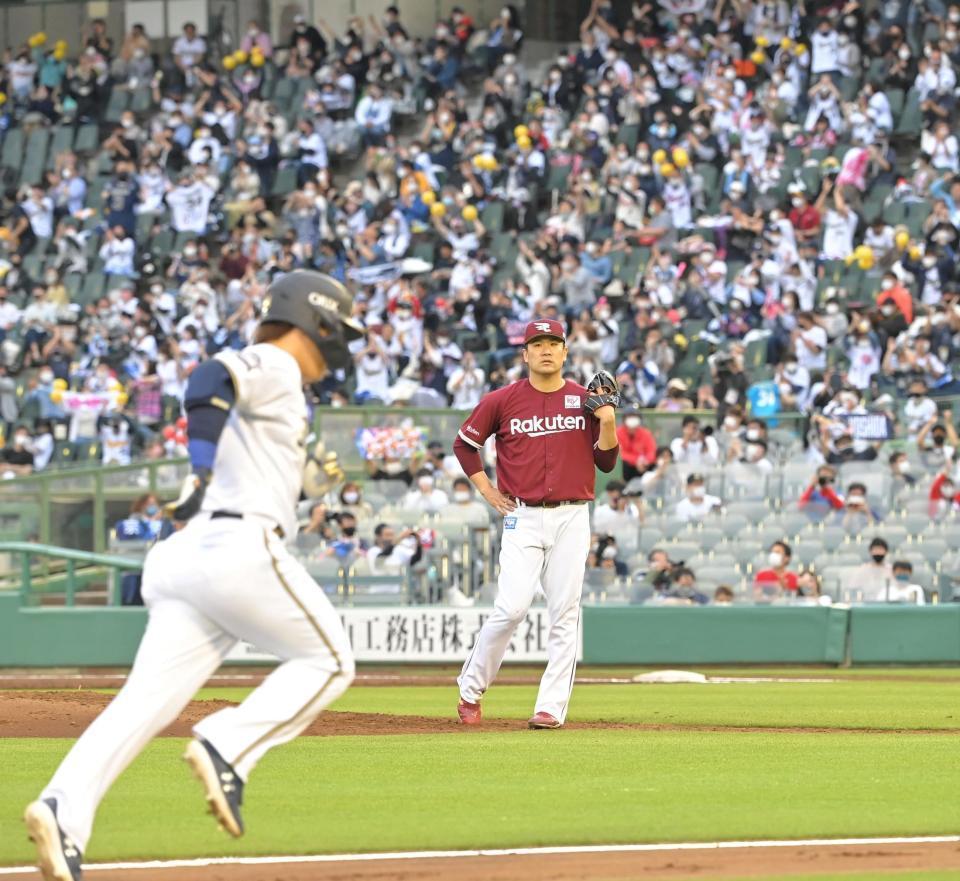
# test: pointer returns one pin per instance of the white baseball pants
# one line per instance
(207, 586)
(546, 547)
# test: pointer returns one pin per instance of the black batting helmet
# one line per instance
(320, 306)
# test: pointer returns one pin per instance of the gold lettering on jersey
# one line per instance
(265, 307)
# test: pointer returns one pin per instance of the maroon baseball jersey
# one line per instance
(546, 443)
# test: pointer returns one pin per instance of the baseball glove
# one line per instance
(604, 392)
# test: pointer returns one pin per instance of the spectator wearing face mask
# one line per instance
(698, 504)
(351, 500)
(858, 513)
(464, 503)
(466, 383)
(694, 447)
(617, 512)
(426, 497)
(938, 441)
(776, 580)
(903, 590)
(944, 496)
(810, 342)
(683, 591)
(346, 543)
(603, 555)
(638, 447)
(144, 521)
(16, 458)
(901, 473)
(871, 582)
(393, 553)
(919, 409)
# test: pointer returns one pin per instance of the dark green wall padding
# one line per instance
(714, 635)
(99, 636)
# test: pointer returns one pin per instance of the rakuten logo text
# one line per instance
(538, 425)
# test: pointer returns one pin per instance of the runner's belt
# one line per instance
(236, 515)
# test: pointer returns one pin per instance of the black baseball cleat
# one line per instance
(224, 788)
(58, 856)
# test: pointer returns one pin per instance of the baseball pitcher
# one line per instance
(550, 434)
(225, 576)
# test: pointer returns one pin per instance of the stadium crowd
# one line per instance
(749, 208)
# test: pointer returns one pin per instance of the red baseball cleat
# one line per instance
(469, 713)
(543, 720)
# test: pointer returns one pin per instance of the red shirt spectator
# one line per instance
(820, 492)
(943, 494)
(777, 578)
(805, 219)
(897, 294)
(638, 447)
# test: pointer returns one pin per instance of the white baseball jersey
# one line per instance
(260, 457)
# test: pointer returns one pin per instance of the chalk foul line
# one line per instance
(502, 852)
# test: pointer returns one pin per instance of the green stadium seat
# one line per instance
(34, 162)
(88, 138)
(141, 100)
(12, 154)
(629, 135)
(118, 102)
(285, 182)
(492, 216)
(61, 142)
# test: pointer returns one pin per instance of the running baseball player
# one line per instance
(550, 432)
(225, 576)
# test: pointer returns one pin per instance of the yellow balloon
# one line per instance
(121, 400)
(229, 62)
(438, 209)
(659, 157)
(3, 97)
(257, 60)
(762, 42)
(914, 252)
(41, 38)
(862, 252)
(469, 213)
(60, 384)
(61, 44)
(800, 48)
(850, 259)
(240, 56)
(524, 143)
(757, 56)
(59, 53)
(56, 396)
(667, 169)
(786, 43)
(490, 162)
(865, 261)
(902, 239)
(428, 198)
(680, 157)
(521, 131)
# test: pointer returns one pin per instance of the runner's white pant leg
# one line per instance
(567, 532)
(521, 563)
(279, 608)
(180, 649)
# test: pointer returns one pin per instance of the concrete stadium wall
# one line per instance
(38, 637)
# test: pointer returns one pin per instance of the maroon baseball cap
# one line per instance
(544, 327)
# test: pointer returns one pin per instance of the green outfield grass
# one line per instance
(503, 789)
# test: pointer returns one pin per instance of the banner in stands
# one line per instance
(426, 633)
(868, 426)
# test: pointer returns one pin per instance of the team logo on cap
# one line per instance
(322, 301)
(544, 326)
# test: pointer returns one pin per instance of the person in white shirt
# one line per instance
(824, 49)
(189, 48)
(373, 115)
(698, 503)
(203, 143)
(39, 211)
(312, 148)
(426, 498)
(616, 513)
(919, 409)
(839, 223)
(693, 447)
(466, 383)
(373, 369)
(810, 343)
(878, 107)
(901, 590)
(117, 252)
(942, 147)
(189, 204)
